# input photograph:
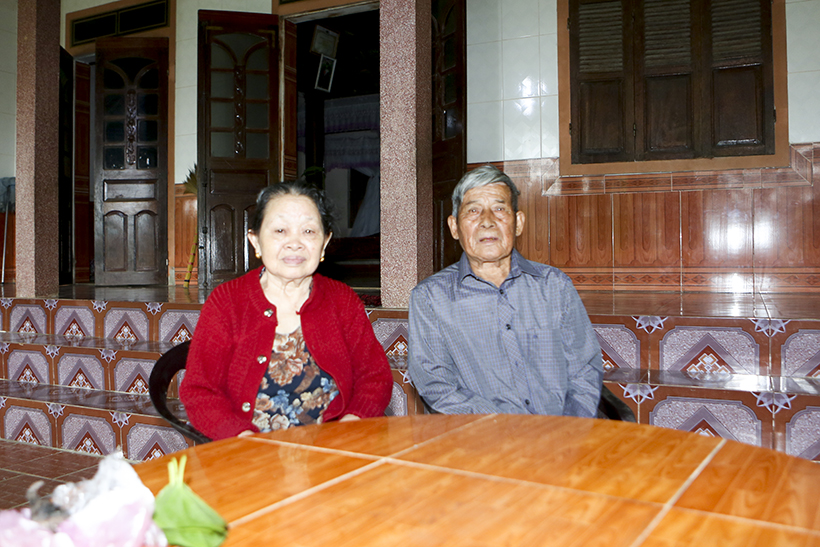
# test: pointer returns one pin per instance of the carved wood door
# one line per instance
(238, 144)
(131, 206)
(449, 125)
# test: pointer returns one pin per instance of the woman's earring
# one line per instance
(323, 257)
(258, 255)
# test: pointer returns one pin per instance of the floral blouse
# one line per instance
(294, 390)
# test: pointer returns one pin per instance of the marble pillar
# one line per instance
(38, 82)
(406, 149)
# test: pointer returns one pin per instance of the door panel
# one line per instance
(65, 185)
(238, 134)
(449, 125)
(131, 219)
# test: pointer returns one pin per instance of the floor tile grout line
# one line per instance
(667, 507)
(305, 493)
(756, 522)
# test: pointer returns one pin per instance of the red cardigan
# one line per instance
(233, 342)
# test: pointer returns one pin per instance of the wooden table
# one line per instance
(501, 480)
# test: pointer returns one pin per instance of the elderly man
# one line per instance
(496, 333)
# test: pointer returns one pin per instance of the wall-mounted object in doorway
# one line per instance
(324, 76)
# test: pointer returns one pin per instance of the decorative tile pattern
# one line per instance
(709, 351)
(801, 354)
(28, 319)
(146, 442)
(398, 402)
(393, 336)
(803, 434)
(131, 375)
(28, 425)
(81, 370)
(176, 326)
(74, 321)
(28, 366)
(619, 346)
(126, 325)
(89, 434)
(715, 418)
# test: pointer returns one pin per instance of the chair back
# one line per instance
(166, 367)
(610, 407)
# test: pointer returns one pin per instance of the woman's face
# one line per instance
(291, 239)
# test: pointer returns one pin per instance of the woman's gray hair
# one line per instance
(483, 176)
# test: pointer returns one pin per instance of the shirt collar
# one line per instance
(518, 265)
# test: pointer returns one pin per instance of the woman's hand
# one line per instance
(246, 433)
(349, 418)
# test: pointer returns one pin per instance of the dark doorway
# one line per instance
(338, 135)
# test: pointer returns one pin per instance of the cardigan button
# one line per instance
(268, 312)
(261, 359)
(246, 407)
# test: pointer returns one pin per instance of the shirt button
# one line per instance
(261, 359)
(502, 291)
(246, 407)
(526, 402)
(508, 326)
(268, 312)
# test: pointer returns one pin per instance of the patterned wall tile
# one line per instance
(733, 415)
(75, 321)
(88, 430)
(29, 366)
(796, 349)
(28, 422)
(131, 375)
(28, 318)
(148, 441)
(176, 326)
(411, 401)
(126, 325)
(710, 347)
(81, 370)
(797, 425)
(624, 345)
(393, 336)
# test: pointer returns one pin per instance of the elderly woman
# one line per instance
(281, 345)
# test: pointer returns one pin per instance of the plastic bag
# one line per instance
(113, 508)
(185, 517)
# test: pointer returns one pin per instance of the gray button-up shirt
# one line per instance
(526, 347)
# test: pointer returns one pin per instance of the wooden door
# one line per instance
(65, 190)
(238, 144)
(131, 217)
(449, 126)
(83, 207)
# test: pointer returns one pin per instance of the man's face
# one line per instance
(487, 226)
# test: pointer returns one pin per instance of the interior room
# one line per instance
(680, 197)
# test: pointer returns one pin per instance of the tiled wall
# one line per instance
(8, 86)
(746, 231)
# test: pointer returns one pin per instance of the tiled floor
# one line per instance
(22, 464)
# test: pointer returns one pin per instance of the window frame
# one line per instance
(781, 157)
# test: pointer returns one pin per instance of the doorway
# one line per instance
(338, 142)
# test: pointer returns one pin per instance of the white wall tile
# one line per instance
(522, 129)
(549, 127)
(548, 48)
(804, 107)
(8, 16)
(547, 16)
(187, 19)
(483, 21)
(519, 18)
(8, 140)
(8, 93)
(485, 132)
(802, 37)
(186, 110)
(8, 47)
(186, 67)
(484, 72)
(185, 150)
(521, 69)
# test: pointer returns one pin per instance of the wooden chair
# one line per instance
(611, 407)
(166, 367)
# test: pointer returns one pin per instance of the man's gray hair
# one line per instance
(483, 176)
